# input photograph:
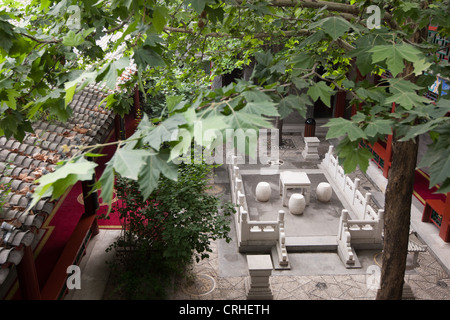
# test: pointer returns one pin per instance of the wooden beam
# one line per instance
(27, 276)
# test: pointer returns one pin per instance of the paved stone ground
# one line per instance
(212, 279)
(428, 280)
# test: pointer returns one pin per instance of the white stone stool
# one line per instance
(263, 191)
(297, 203)
(324, 192)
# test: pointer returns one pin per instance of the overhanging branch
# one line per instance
(290, 33)
(344, 8)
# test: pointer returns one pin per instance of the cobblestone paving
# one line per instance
(428, 281)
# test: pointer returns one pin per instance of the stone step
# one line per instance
(311, 243)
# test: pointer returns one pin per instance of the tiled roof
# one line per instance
(21, 163)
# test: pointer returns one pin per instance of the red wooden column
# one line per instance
(340, 104)
(90, 202)
(444, 232)
(27, 275)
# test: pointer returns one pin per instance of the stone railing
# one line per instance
(365, 230)
(359, 203)
(255, 235)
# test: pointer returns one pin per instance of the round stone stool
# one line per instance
(263, 192)
(297, 203)
(324, 192)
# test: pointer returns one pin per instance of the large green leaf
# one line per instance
(302, 60)
(334, 26)
(321, 90)
(113, 71)
(394, 55)
(437, 156)
(339, 127)
(165, 131)
(146, 56)
(54, 184)
(243, 120)
(404, 94)
(154, 166)
(73, 39)
(159, 18)
(293, 102)
(106, 184)
(351, 156)
(198, 5)
(379, 127)
(261, 108)
(128, 162)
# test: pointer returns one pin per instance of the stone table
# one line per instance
(293, 180)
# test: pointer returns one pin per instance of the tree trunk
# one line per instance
(397, 216)
(279, 126)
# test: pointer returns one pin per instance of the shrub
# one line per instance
(164, 232)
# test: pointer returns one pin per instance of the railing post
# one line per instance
(366, 202)
(244, 226)
(355, 187)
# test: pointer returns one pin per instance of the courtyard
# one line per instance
(314, 273)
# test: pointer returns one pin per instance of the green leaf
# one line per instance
(215, 14)
(154, 166)
(339, 127)
(300, 83)
(440, 171)
(198, 5)
(159, 18)
(394, 55)
(165, 131)
(404, 94)
(255, 96)
(322, 91)
(379, 127)
(106, 183)
(421, 65)
(128, 162)
(414, 131)
(334, 26)
(302, 60)
(243, 120)
(6, 41)
(54, 184)
(172, 102)
(12, 94)
(113, 71)
(353, 157)
(72, 39)
(313, 39)
(261, 108)
(264, 58)
(146, 56)
(293, 102)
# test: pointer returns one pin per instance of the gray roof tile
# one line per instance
(22, 162)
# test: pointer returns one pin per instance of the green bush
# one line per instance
(164, 232)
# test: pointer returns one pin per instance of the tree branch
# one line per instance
(40, 41)
(293, 33)
(316, 4)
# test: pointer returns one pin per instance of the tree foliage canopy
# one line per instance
(49, 50)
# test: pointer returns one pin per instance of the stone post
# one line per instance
(260, 269)
(310, 152)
